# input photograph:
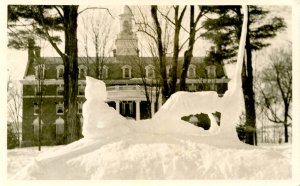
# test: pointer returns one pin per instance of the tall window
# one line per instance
(192, 71)
(60, 108)
(36, 127)
(79, 108)
(60, 71)
(60, 90)
(59, 122)
(150, 71)
(35, 109)
(81, 90)
(37, 91)
(126, 71)
(127, 107)
(211, 71)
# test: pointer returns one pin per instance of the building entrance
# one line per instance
(127, 109)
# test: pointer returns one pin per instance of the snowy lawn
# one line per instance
(20, 157)
(180, 159)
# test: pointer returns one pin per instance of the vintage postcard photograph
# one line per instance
(140, 92)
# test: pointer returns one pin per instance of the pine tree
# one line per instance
(224, 31)
(37, 21)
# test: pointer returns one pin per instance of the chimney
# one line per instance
(30, 50)
(37, 51)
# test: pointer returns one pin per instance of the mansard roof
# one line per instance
(118, 59)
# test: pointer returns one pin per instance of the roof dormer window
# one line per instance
(82, 71)
(104, 74)
(192, 71)
(150, 71)
(211, 71)
(126, 71)
(60, 72)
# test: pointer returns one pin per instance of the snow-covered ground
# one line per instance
(172, 159)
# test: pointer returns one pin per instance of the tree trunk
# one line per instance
(175, 54)
(176, 50)
(72, 124)
(188, 54)
(161, 53)
(247, 86)
(285, 124)
(98, 73)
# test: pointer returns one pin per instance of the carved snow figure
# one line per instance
(99, 119)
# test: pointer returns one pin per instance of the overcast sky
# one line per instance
(17, 59)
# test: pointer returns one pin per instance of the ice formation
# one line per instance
(164, 147)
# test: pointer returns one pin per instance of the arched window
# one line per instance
(60, 71)
(36, 127)
(59, 123)
(126, 71)
(192, 71)
(150, 71)
(60, 108)
(126, 26)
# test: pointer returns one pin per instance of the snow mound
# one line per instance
(142, 156)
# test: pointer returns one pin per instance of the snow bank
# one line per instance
(141, 156)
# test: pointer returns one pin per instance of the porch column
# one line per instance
(117, 106)
(137, 110)
(159, 101)
(152, 109)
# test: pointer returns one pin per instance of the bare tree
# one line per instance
(96, 31)
(14, 108)
(188, 54)
(275, 89)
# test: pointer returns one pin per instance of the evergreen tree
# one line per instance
(224, 31)
(12, 138)
(38, 21)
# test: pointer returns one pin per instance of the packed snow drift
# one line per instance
(164, 147)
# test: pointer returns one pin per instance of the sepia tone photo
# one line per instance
(149, 92)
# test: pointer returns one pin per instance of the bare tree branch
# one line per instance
(95, 8)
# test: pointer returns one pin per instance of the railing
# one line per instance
(127, 87)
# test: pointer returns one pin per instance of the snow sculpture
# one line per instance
(99, 118)
(228, 105)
